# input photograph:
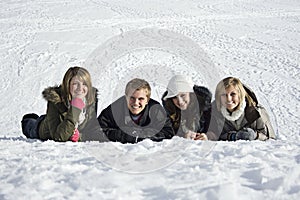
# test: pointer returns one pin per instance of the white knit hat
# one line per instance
(177, 84)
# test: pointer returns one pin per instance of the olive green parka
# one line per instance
(61, 118)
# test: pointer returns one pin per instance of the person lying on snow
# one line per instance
(189, 107)
(71, 111)
(135, 116)
(237, 115)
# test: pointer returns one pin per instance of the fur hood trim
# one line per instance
(235, 115)
(52, 94)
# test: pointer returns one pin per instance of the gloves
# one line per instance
(244, 134)
(132, 134)
(78, 103)
(75, 136)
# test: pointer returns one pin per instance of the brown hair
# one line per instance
(176, 114)
(237, 84)
(138, 84)
(83, 76)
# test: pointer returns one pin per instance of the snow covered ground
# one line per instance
(255, 40)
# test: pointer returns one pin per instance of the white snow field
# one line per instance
(257, 41)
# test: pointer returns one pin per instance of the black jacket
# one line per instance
(117, 124)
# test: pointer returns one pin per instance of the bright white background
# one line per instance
(257, 41)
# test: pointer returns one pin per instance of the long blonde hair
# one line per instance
(83, 76)
(237, 84)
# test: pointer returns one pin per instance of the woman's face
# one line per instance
(182, 100)
(230, 98)
(78, 88)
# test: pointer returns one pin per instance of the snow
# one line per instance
(255, 40)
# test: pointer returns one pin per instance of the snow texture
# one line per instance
(254, 40)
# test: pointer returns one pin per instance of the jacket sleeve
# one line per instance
(61, 126)
(204, 99)
(215, 126)
(263, 125)
(130, 133)
(154, 134)
(213, 133)
(112, 131)
(205, 117)
(160, 126)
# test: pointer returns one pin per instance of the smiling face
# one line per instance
(78, 89)
(137, 101)
(182, 100)
(230, 98)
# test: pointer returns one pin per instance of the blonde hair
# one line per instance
(83, 76)
(237, 84)
(138, 84)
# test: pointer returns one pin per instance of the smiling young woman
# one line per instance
(188, 107)
(71, 111)
(237, 115)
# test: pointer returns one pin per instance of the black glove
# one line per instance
(246, 134)
(132, 134)
(232, 136)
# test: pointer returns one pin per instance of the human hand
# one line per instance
(132, 134)
(78, 103)
(201, 136)
(75, 136)
(190, 135)
(246, 134)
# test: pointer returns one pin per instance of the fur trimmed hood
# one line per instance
(235, 115)
(52, 94)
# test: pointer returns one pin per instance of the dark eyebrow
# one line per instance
(140, 98)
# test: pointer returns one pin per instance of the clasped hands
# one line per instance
(195, 136)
